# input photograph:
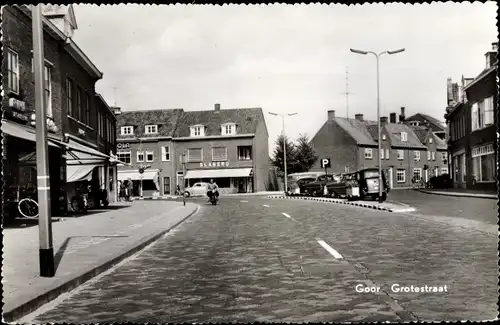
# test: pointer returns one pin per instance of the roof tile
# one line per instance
(166, 119)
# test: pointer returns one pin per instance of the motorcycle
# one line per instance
(213, 198)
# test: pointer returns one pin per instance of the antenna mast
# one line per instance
(346, 92)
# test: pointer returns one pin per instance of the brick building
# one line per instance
(145, 138)
(230, 146)
(472, 117)
(72, 110)
(420, 119)
(352, 144)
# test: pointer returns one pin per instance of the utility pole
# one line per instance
(46, 250)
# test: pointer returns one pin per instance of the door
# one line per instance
(166, 185)
(426, 173)
(391, 179)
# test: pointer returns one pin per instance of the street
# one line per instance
(256, 259)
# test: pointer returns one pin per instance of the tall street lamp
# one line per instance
(378, 113)
(284, 143)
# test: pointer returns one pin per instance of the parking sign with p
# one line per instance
(325, 162)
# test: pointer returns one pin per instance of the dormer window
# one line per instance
(197, 130)
(127, 130)
(228, 129)
(151, 129)
(404, 136)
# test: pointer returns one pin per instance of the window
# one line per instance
(416, 155)
(166, 185)
(140, 156)
(165, 153)
(219, 154)
(430, 140)
(101, 125)
(400, 175)
(125, 130)
(488, 111)
(124, 155)
(69, 97)
(79, 108)
(368, 153)
(228, 129)
(482, 113)
(443, 156)
(151, 129)
(444, 171)
(245, 153)
(455, 167)
(87, 108)
(387, 154)
(433, 155)
(383, 137)
(428, 156)
(483, 163)
(417, 173)
(464, 168)
(150, 156)
(13, 71)
(47, 73)
(198, 131)
(346, 169)
(194, 155)
(401, 155)
(382, 154)
(404, 136)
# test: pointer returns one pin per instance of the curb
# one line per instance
(32, 305)
(363, 205)
(479, 196)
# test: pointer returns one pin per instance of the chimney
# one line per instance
(392, 118)
(402, 115)
(359, 117)
(383, 119)
(331, 115)
(491, 59)
(217, 107)
(116, 110)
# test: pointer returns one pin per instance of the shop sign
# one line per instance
(215, 164)
(17, 104)
(18, 117)
(123, 145)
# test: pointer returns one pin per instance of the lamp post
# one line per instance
(378, 112)
(46, 251)
(284, 143)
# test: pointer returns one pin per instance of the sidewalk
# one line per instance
(83, 247)
(462, 192)
(386, 206)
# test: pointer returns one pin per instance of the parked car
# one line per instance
(302, 182)
(338, 186)
(292, 180)
(198, 189)
(440, 182)
(367, 180)
(317, 187)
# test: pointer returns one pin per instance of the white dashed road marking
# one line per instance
(330, 250)
(289, 217)
(267, 206)
(243, 201)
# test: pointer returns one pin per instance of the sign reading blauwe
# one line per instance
(215, 164)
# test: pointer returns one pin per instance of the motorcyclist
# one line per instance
(212, 189)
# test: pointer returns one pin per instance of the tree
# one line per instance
(277, 158)
(305, 155)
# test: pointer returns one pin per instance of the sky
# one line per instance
(285, 58)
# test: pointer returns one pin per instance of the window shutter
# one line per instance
(474, 116)
(163, 154)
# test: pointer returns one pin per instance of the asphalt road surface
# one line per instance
(257, 259)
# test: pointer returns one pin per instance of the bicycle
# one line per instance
(79, 202)
(418, 183)
(28, 207)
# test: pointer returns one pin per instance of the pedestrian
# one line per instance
(119, 187)
(130, 187)
(178, 192)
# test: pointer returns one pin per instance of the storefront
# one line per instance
(146, 184)
(483, 166)
(229, 180)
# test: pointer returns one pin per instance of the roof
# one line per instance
(246, 120)
(481, 75)
(421, 132)
(437, 124)
(166, 119)
(357, 130)
(440, 143)
(394, 130)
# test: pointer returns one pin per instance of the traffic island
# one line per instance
(385, 206)
(83, 248)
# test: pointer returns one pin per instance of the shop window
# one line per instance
(140, 156)
(368, 153)
(150, 156)
(125, 156)
(400, 175)
(219, 154)
(13, 71)
(195, 154)
(483, 164)
(401, 155)
(245, 153)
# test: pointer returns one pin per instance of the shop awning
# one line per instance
(135, 175)
(216, 173)
(79, 154)
(77, 173)
(24, 132)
